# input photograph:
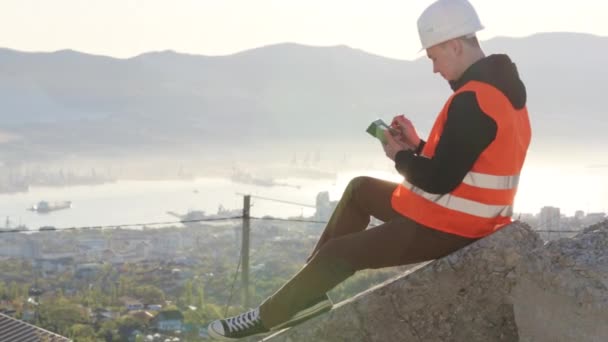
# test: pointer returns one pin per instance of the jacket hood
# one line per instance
(498, 71)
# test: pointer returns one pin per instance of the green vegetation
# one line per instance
(92, 306)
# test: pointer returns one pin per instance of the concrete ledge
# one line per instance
(461, 297)
(562, 289)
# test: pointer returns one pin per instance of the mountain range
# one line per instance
(69, 103)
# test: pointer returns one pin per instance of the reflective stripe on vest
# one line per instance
(483, 202)
(480, 180)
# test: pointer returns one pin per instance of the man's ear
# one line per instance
(456, 45)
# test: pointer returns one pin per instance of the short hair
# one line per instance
(471, 40)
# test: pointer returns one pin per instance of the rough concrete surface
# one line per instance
(562, 289)
(461, 297)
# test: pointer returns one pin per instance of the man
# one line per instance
(458, 186)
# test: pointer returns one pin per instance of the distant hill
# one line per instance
(66, 100)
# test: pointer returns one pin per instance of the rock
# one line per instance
(562, 291)
(461, 297)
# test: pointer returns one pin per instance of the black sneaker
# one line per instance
(314, 308)
(233, 328)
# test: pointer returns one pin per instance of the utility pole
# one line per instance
(245, 240)
(245, 250)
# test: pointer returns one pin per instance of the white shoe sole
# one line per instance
(217, 336)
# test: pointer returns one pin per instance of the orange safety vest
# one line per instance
(483, 202)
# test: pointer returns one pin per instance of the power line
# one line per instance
(54, 229)
(286, 220)
(280, 201)
(49, 229)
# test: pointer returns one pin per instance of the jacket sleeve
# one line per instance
(466, 134)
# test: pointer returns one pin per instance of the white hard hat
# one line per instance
(447, 19)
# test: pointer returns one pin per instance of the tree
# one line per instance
(113, 294)
(186, 297)
(13, 291)
(109, 331)
(149, 294)
(200, 295)
(126, 325)
(82, 332)
(60, 315)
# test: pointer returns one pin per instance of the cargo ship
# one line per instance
(193, 217)
(45, 207)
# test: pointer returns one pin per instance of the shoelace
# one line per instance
(244, 320)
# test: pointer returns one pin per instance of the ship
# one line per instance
(45, 207)
(192, 217)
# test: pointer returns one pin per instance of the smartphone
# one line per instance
(377, 128)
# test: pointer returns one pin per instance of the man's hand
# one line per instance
(393, 146)
(408, 134)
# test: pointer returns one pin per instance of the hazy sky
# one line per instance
(124, 28)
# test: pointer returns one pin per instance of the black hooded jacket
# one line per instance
(467, 132)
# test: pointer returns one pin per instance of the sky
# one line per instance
(126, 28)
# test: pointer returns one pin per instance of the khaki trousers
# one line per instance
(346, 246)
